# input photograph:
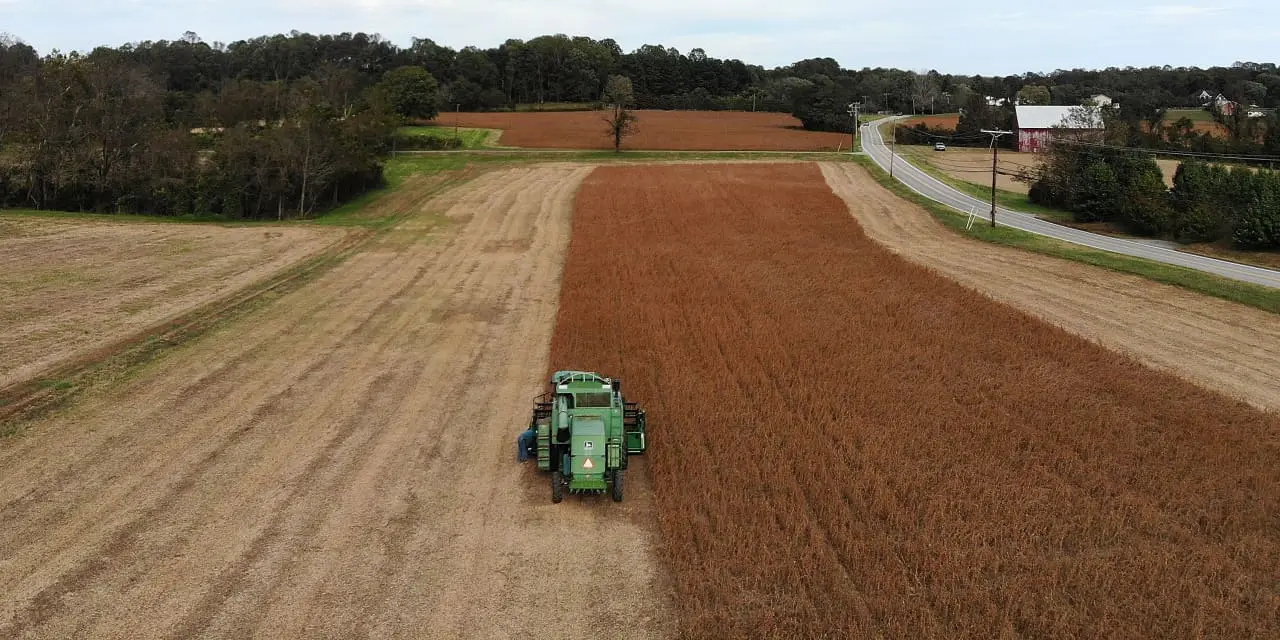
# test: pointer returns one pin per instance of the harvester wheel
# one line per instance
(557, 487)
(616, 489)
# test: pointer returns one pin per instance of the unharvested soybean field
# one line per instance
(848, 444)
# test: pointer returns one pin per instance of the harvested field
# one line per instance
(974, 165)
(1217, 344)
(655, 130)
(847, 444)
(944, 121)
(70, 286)
(339, 464)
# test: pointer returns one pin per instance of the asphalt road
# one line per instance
(920, 182)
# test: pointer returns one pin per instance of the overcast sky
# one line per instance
(989, 37)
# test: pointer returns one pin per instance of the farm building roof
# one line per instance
(1050, 117)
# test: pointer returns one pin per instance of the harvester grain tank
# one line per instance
(582, 432)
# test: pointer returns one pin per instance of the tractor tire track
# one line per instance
(337, 464)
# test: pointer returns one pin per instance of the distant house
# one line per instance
(1205, 97)
(1037, 126)
(1223, 105)
(1101, 100)
(996, 102)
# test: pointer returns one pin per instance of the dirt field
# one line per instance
(338, 464)
(945, 121)
(655, 130)
(69, 286)
(1217, 344)
(849, 444)
(974, 165)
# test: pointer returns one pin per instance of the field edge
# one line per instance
(1257, 296)
(37, 396)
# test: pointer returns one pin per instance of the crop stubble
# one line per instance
(69, 286)
(338, 464)
(655, 130)
(847, 444)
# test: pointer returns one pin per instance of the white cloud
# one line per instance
(998, 36)
(1178, 11)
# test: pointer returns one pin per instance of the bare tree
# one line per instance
(618, 94)
(924, 88)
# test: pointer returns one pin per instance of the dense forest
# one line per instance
(290, 125)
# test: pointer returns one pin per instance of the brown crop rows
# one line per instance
(655, 130)
(849, 445)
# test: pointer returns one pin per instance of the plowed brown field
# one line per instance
(945, 121)
(655, 130)
(69, 286)
(339, 464)
(849, 445)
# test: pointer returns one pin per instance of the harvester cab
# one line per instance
(582, 432)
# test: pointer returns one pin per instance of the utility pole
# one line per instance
(995, 156)
(853, 111)
(886, 103)
(457, 115)
(893, 151)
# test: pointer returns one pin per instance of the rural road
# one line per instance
(934, 189)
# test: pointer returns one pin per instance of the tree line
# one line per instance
(100, 132)
(1099, 181)
(560, 68)
(826, 88)
(821, 91)
(290, 124)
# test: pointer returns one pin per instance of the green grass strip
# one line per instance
(471, 138)
(1253, 295)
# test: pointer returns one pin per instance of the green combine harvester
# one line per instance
(582, 432)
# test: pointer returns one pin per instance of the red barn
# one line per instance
(1037, 126)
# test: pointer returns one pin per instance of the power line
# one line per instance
(967, 136)
(995, 157)
(853, 111)
(1189, 154)
(1095, 148)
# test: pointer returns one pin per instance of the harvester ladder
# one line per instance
(542, 426)
(633, 421)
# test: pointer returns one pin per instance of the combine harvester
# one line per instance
(582, 432)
